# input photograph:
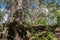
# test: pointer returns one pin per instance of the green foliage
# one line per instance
(44, 38)
(48, 36)
(34, 35)
(58, 17)
(51, 36)
(41, 14)
(58, 21)
(41, 21)
(48, 28)
(1, 15)
(32, 31)
(1, 27)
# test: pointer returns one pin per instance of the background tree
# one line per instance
(29, 18)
